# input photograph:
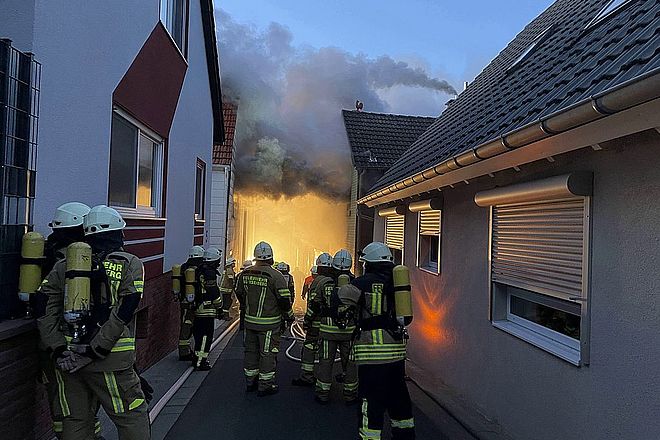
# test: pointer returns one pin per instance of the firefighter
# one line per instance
(187, 308)
(308, 282)
(96, 362)
(206, 306)
(227, 287)
(266, 305)
(67, 228)
(285, 270)
(332, 337)
(311, 325)
(380, 344)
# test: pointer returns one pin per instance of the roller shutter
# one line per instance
(539, 246)
(429, 222)
(394, 230)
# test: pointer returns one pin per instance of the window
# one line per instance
(539, 254)
(523, 56)
(200, 189)
(428, 240)
(136, 167)
(609, 9)
(174, 15)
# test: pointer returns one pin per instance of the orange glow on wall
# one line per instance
(432, 305)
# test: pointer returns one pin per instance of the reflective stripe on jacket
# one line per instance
(264, 297)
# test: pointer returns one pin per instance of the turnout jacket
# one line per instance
(321, 306)
(264, 297)
(209, 299)
(227, 281)
(113, 302)
(372, 296)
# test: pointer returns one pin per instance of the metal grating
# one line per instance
(20, 77)
(429, 222)
(539, 246)
(394, 231)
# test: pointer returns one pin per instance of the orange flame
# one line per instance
(431, 307)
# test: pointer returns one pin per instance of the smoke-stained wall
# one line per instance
(533, 394)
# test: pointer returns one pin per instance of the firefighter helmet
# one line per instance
(230, 262)
(212, 254)
(102, 218)
(282, 267)
(263, 251)
(376, 252)
(68, 215)
(315, 270)
(196, 252)
(324, 260)
(246, 264)
(342, 260)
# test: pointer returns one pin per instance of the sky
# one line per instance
(453, 40)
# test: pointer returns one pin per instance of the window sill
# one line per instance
(543, 342)
(429, 270)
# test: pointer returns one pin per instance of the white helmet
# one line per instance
(315, 270)
(376, 252)
(282, 267)
(196, 252)
(102, 219)
(263, 251)
(68, 215)
(212, 254)
(246, 264)
(324, 260)
(342, 260)
(230, 262)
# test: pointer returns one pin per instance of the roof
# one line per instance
(378, 140)
(569, 64)
(213, 67)
(222, 154)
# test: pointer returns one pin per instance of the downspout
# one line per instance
(624, 96)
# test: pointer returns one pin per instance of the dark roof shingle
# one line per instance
(569, 65)
(378, 140)
(222, 154)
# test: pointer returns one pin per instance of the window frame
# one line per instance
(158, 170)
(186, 26)
(418, 264)
(200, 165)
(560, 345)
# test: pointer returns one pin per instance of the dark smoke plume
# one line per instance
(291, 139)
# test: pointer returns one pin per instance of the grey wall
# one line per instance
(191, 137)
(533, 394)
(86, 48)
(17, 22)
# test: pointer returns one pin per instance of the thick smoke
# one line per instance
(291, 139)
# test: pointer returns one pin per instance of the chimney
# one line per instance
(465, 85)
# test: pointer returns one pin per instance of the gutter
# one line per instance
(624, 96)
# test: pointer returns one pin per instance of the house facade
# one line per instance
(222, 220)
(130, 111)
(529, 215)
(377, 141)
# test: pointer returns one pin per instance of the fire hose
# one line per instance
(298, 334)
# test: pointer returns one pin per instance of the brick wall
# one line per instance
(157, 321)
(24, 413)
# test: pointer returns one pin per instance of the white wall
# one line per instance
(85, 47)
(218, 216)
(191, 137)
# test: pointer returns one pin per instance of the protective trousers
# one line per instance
(52, 380)
(203, 329)
(226, 304)
(309, 352)
(260, 364)
(383, 388)
(185, 333)
(118, 392)
(327, 354)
